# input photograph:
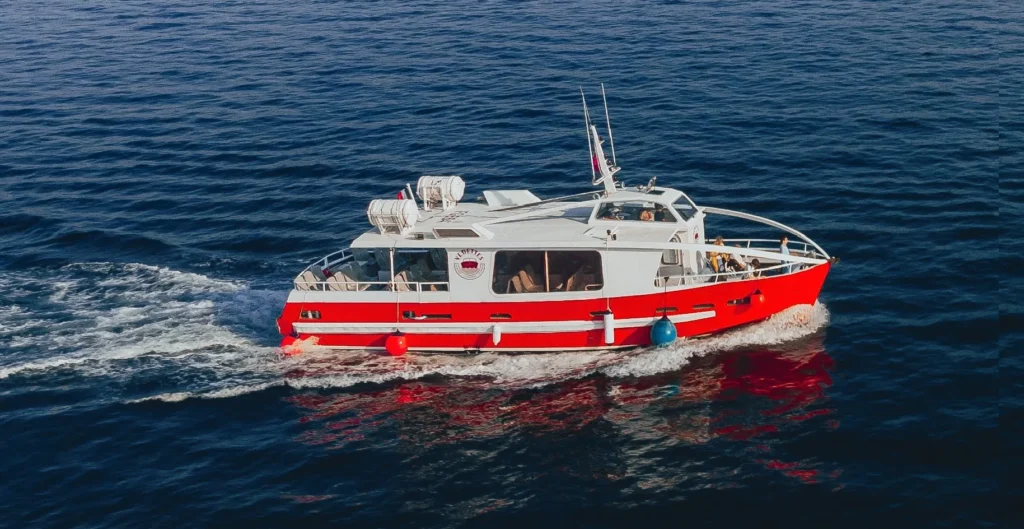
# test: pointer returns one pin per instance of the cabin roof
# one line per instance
(554, 224)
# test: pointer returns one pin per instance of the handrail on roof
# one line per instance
(763, 220)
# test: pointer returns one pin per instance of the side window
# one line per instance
(674, 274)
(636, 210)
(672, 257)
(538, 271)
(368, 270)
(684, 207)
(428, 267)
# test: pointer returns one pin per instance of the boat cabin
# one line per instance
(512, 245)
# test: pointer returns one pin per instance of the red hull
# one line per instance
(734, 303)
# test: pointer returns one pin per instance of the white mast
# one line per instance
(607, 173)
(599, 163)
(608, 122)
(590, 148)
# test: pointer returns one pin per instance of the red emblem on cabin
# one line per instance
(469, 264)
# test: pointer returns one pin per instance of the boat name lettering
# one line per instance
(469, 264)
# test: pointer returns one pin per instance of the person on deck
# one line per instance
(755, 266)
(784, 250)
(735, 262)
(717, 259)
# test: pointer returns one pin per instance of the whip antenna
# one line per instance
(608, 123)
(590, 147)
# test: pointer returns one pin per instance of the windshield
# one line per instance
(685, 207)
(637, 210)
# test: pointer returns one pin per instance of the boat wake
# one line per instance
(139, 332)
(322, 368)
(121, 326)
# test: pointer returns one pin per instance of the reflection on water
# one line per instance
(428, 414)
(741, 398)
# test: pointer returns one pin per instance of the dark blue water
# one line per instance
(167, 167)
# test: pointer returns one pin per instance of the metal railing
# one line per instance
(805, 249)
(324, 263)
(717, 277)
(359, 286)
(799, 237)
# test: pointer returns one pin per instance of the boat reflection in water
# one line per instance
(748, 396)
(731, 402)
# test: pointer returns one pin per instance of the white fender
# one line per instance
(609, 328)
(496, 334)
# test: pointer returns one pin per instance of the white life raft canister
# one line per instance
(392, 216)
(445, 191)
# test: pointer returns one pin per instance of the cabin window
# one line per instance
(538, 271)
(674, 274)
(636, 210)
(427, 268)
(685, 207)
(362, 272)
(672, 257)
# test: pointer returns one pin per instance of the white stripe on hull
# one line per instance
(489, 349)
(507, 327)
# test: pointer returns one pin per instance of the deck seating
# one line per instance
(348, 278)
(527, 282)
(575, 281)
(439, 259)
(419, 271)
(401, 283)
(383, 261)
(307, 280)
(356, 275)
(338, 282)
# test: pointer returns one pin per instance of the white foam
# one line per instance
(214, 338)
(224, 393)
(323, 368)
(98, 315)
(177, 396)
(333, 369)
(788, 325)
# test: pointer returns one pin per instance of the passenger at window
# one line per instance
(647, 215)
(661, 214)
(611, 213)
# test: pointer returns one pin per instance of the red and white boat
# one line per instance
(512, 272)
